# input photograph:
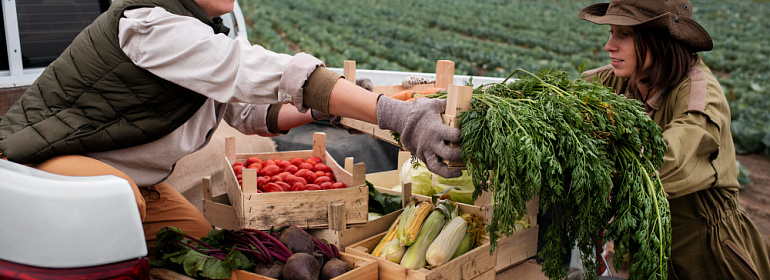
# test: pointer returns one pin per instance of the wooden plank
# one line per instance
(233, 190)
(349, 70)
(220, 215)
(517, 248)
(458, 100)
(249, 181)
(445, 72)
(303, 209)
(319, 145)
(337, 216)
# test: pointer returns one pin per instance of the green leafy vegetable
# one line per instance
(382, 203)
(577, 145)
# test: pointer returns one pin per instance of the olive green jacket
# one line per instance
(93, 98)
(695, 121)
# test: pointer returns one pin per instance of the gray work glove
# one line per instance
(423, 133)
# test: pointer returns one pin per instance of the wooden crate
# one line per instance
(364, 268)
(337, 208)
(477, 264)
(511, 250)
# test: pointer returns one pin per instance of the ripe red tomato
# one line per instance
(312, 187)
(286, 187)
(284, 175)
(305, 165)
(276, 178)
(339, 185)
(297, 186)
(331, 175)
(269, 162)
(273, 187)
(322, 167)
(296, 160)
(261, 182)
(283, 164)
(255, 166)
(270, 170)
(251, 160)
(291, 169)
(321, 179)
(238, 169)
(308, 175)
(315, 158)
(326, 185)
(238, 163)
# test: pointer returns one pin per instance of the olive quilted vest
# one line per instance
(93, 98)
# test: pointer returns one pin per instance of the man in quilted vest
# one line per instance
(149, 81)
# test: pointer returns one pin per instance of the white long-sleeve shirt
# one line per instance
(232, 73)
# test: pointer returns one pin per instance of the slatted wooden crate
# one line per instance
(511, 250)
(336, 208)
(477, 264)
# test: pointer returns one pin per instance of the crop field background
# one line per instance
(495, 37)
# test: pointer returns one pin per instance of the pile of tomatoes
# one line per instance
(296, 174)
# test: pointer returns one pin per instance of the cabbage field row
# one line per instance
(495, 37)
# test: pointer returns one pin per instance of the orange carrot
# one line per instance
(403, 95)
(431, 91)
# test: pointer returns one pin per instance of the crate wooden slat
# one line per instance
(305, 209)
(364, 268)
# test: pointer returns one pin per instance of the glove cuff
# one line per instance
(392, 114)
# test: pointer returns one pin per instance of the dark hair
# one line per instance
(671, 60)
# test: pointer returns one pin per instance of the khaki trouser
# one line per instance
(713, 238)
(159, 205)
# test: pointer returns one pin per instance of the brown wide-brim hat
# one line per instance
(671, 16)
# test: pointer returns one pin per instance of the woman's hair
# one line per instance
(671, 60)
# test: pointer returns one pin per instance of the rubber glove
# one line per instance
(423, 133)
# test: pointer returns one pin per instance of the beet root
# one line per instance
(333, 268)
(301, 266)
(272, 270)
(297, 240)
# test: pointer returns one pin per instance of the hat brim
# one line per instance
(685, 30)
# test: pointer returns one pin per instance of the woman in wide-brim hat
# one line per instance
(653, 47)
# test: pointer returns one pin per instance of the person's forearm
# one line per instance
(289, 117)
(349, 100)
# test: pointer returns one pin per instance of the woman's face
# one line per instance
(215, 8)
(623, 51)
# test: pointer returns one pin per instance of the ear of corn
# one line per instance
(393, 251)
(408, 230)
(390, 235)
(446, 243)
(414, 258)
(465, 245)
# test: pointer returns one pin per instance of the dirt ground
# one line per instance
(755, 197)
